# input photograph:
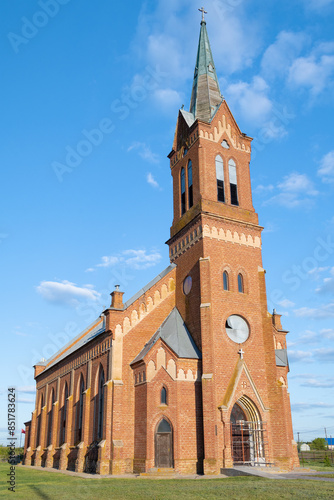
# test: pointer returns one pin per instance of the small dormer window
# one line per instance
(225, 144)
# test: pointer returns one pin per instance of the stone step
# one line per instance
(160, 471)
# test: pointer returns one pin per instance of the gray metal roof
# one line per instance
(175, 334)
(72, 345)
(281, 357)
(148, 286)
(189, 117)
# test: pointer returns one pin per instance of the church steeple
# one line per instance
(206, 94)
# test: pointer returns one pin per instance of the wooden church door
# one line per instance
(164, 445)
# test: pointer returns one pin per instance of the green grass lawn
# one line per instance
(34, 484)
(316, 465)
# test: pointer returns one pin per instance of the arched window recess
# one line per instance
(163, 396)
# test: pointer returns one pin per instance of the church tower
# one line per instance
(215, 242)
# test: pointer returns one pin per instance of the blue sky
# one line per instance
(89, 101)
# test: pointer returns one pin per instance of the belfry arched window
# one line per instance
(100, 407)
(190, 184)
(232, 170)
(220, 178)
(225, 281)
(163, 396)
(183, 191)
(240, 283)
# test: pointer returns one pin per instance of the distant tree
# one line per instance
(318, 444)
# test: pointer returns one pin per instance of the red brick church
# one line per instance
(191, 372)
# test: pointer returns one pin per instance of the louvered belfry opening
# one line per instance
(249, 444)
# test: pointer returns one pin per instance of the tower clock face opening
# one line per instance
(237, 329)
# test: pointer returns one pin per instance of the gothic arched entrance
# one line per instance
(247, 434)
(163, 444)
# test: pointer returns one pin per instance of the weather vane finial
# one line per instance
(203, 12)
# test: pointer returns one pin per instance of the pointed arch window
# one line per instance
(80, 408)
(190, 184)
(63, 429)
(163, 396)
(240, 283)
(232, 170)
(225, 281)
(100, 405)
(52, 400)
(183, 191)
(220, 179)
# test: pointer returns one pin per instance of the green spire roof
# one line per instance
(205, 93)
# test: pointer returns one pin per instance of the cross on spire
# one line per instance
(203, 12)
(241, 352)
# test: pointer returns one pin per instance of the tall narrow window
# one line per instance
(232, 169)
(80, 408)
(240, 283)
(183, 191)
(190, 184)
(39, 423)
(63, 437)
(52, 400)
(163, 396)
(225, 280)
(100, 404)
(220, 179)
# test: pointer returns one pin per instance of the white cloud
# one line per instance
(309, 406)
(326, 169)
(135, 259)
(315, 71)
(324, 355)
(318, 5)
(279, 56)
(327, 284)
(297, 183)
(150, 179)
(168, 99)
(108, 261)
(286, 303)
(144, 152)
(327, 333)
(260, 189)
(295, 190)
(65, 292)
(139, 259)
(250, 99)
(304, 356)
(29, 389)
(324, 311)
